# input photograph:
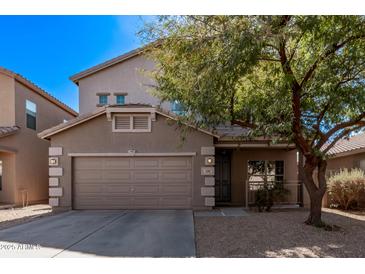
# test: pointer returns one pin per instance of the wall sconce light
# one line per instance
(53, 161)
(209, 161)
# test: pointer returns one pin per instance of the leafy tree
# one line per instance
(294, 78)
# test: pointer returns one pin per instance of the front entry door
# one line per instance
(222, 176)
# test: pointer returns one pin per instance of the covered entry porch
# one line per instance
(242, 169)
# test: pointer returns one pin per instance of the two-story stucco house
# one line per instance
(125, 150)
(25, 110)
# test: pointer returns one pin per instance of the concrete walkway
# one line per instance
(153, 233)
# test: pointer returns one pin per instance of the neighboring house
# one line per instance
(127, 150)
(25, 110)
(347, 153)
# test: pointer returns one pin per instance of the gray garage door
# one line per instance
(132, 182)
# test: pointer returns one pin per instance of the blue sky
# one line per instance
(49, 49)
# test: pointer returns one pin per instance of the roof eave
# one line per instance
(85, 73)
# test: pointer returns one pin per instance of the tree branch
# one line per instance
(343, 134)
(326, 54)
(296, 99)
(243, 123)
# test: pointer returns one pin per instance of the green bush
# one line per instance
(269, 194)
(345, 187)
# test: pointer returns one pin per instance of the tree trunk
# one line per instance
(315, 213)
(316, 190)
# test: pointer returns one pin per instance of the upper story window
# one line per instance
(177, 108)
(120, 99)
(131, 123)
(103, 99)
(31, 114)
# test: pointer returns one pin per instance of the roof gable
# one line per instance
(130, 108)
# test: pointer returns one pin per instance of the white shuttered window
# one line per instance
(132, 123)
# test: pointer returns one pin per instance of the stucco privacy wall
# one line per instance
(240, 158)
(128, 77)
(96, 136)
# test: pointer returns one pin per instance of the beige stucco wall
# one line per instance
(351, 161)
(96, 136)
(7, 100)
(240, 158)
(125, 77)
(31, 157)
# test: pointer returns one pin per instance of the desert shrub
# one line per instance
(267, 195)
(345, 188)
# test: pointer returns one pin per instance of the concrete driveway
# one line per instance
(144, 233)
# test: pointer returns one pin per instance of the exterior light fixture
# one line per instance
(53, 161)
(209, 161)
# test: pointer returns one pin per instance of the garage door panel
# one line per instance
(110, 189)
(144, 163)
(182, 190)
(91, 163)
(175, 202)
(106, 202)
(88, 175)
(132, 182)
(180, 163)
(175, 176)
(120, 163)
(151, 189)
(116, 175)
(142, 176)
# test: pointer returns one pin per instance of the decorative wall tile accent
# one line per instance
(53, 161)
(209, 181)
(207, 150)
(55, 151)
(53, 202)
(53, 181)
(207, 191)
(209, 161)
(55, 191)
(55, 171)
(207, 171)
(209, 201)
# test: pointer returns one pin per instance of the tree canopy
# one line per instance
(298, 78)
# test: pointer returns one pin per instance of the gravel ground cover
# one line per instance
(11, 217)
(280, 234)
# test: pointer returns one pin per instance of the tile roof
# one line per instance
(5, 131)
(37, 89)
(232, 131)
(353, 144)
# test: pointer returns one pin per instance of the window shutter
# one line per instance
(122, 122)
(140, 122)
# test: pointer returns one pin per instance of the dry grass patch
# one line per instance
(279, 234)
